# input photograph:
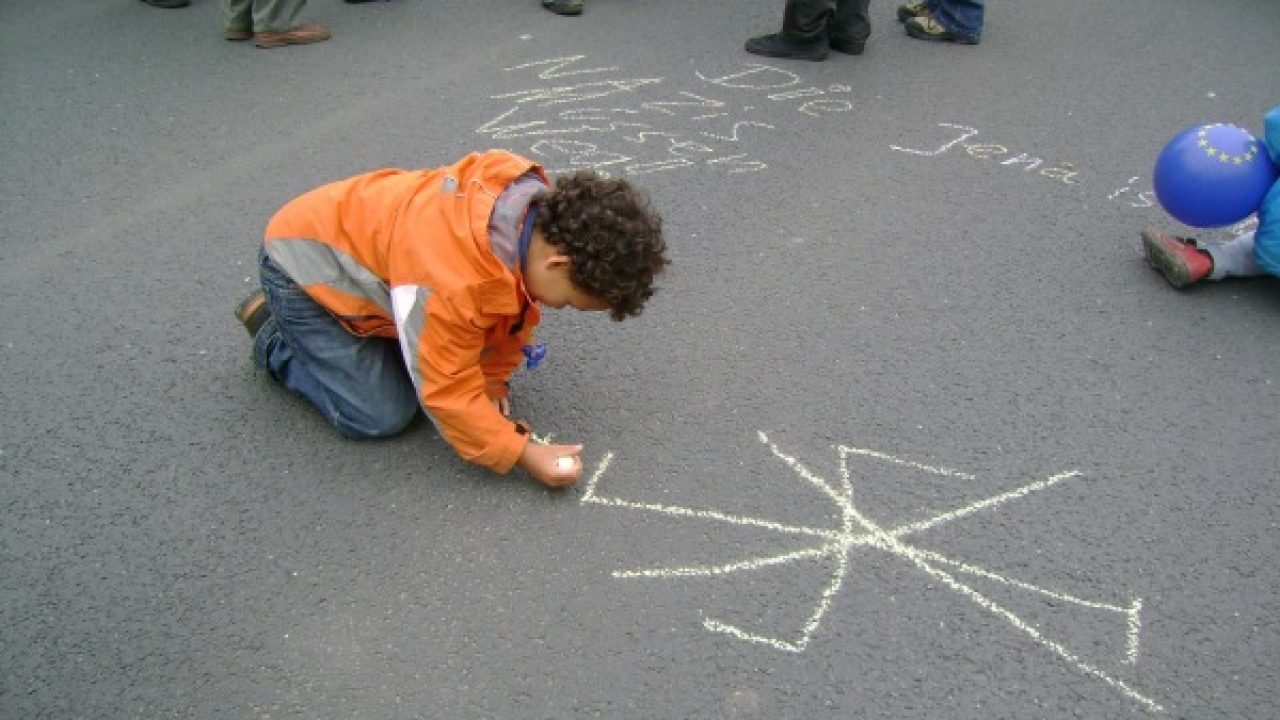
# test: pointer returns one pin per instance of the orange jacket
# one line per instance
(406, 254)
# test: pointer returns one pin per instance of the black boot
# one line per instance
(803, 36)
(850, 26)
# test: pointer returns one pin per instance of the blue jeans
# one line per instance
(959, 17)
(359, 384)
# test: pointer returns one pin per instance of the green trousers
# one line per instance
(261, 15)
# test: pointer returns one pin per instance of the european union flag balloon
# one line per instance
(1213, 175)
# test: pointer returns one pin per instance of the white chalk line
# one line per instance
(810, 626)
(728, 568)
(843, 501)
(1018, 623)
(677, 511)
(990, 502)
(892, 544)
(589, 496)
(845, 450)
(842, 542)
(558, 63)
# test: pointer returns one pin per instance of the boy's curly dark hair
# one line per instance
(610, 233)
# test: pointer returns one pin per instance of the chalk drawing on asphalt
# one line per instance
(859, 530)
(577, 117)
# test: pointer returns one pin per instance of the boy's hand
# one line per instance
(555, 466)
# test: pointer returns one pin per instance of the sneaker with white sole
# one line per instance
(928, 28)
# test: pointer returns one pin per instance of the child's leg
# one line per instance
(359, 384)
(1233, 258)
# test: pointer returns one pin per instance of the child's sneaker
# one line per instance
(1177, 259)
(253, 311)
(927, 28)
(913, 10)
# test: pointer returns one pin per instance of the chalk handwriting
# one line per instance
(1064, 171)
(581, 116)
(646, 128)
(960, 139)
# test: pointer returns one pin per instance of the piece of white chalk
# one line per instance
(565, 462)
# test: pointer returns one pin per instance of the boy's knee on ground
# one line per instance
(383, 423)
(383, 413)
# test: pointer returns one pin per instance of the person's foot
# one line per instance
(237, 34)
(1177, 259)
(301, 35)
(253, 311)
(913, 10)
(927, 28)
(168, 3)
(849, 47)
(563, 7)
(780, 46)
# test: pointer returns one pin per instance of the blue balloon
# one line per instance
(1213, 175)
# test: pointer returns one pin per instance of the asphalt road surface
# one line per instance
(910, 430)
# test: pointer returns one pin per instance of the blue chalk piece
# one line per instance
(534, 355)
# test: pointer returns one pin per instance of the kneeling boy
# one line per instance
(397, 289)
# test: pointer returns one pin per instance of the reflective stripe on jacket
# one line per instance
(406, 254)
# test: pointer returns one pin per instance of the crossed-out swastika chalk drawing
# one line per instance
(858, 530)
(586, 118)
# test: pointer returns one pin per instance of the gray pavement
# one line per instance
(910, 431)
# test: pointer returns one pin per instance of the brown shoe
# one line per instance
(237, 34)
(253, 311)
(301, 35)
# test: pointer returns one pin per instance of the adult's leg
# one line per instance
(804, 32)
(850, 26)
(276, 15)
(962, 18)
(237, 15)
(806, 19)
(359, 384)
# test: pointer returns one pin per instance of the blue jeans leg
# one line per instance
(959, 17)
(359, 384)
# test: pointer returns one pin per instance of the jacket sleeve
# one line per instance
(442, 338)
